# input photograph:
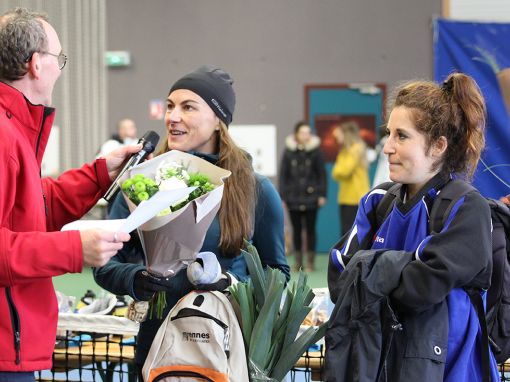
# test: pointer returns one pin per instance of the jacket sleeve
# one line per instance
(459, 256)
(346, 162)
(74, 192)
(358, 238)
(26, 256)
(117, 276)
(268, 236)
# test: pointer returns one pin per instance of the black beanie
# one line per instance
(214, 85)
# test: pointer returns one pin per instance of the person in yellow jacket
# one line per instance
(351, 171)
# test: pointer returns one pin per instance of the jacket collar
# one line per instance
(429, 190)
(35, 120)
(211, 158)
(292, 145)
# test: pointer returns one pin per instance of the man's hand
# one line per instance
(146, 284)
(506, 200)
(116, 158)
(99, 246)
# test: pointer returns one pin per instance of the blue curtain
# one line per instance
(481, 50)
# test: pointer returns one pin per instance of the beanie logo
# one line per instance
(217, 104)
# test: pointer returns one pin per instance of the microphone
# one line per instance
(149, 142)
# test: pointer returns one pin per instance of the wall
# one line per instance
(80, 93)
(270, 47)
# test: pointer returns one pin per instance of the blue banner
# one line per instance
(482, 50)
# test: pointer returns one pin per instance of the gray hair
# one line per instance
(21, 35)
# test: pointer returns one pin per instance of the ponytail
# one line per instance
(467, 116)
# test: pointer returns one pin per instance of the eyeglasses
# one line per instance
(61, 57)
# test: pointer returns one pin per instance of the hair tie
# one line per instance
(447, 86)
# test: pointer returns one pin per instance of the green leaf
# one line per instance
(260, 341)
(257, 275)
(296, 350)
(281, 322)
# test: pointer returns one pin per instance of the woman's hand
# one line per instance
(146, 284)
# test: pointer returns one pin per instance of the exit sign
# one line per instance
(118, 58)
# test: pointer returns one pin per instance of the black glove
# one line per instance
(147, 284)
(224, 282)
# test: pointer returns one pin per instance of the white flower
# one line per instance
(173, 183)
(168, 170)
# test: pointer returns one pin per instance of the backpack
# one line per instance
(497, 312)
(200, 340)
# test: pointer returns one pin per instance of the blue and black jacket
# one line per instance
(443, 265)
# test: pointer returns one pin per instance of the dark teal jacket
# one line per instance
(118, 275)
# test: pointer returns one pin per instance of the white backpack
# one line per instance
(200, 340)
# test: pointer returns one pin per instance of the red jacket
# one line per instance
(32, 249)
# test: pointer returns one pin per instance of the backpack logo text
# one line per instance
(195, 337)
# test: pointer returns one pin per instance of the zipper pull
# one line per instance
(226, 342)
(17, 341)
(45, 205)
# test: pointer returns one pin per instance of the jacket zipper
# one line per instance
(190, 374)
(45, 204)
(189, 312)
(16, 329)
(45, 115)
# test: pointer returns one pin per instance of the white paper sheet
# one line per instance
(145, 211)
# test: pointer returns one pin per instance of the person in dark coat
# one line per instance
(303, 189)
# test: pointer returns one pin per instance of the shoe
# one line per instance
(87, 299)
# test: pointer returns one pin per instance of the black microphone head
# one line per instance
(149, 140)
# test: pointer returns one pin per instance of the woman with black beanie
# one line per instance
(200, 107)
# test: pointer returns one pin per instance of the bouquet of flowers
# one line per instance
(170, 175)
(172, 239)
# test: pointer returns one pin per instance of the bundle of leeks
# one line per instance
(269, 327)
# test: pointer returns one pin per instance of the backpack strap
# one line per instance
(384, 207)
(444, 202)
(500, 212)
(441, 208)
(476, 300)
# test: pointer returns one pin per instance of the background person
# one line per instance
(303, 189)
(436, 133)
(126, 135)
(200, 107)
(350, 171)
(32, 211)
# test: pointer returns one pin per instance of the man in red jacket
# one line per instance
(32, 210)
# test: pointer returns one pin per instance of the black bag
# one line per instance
(497, 316)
